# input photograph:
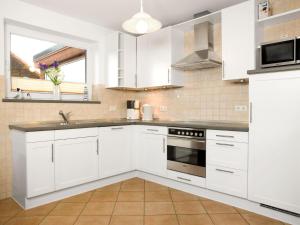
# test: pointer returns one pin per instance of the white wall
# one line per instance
(20, 12)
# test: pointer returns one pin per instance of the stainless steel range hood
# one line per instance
(203, 57)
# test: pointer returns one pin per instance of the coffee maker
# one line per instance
(133, 109)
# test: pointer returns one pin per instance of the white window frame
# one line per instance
(52, 37)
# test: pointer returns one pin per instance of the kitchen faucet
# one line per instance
(65, 116)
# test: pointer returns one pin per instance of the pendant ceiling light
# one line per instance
(141, 23)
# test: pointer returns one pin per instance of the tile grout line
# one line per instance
(84, 207)
(173, 206)
(110, 220)
(144, 216)
(57, 202)
(242, 216)
(211, 219)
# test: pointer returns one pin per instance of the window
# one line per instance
(27, 52)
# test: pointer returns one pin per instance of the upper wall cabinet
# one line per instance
(156, 52)
(238, 40)
(121, 60)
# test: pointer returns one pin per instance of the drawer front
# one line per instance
(223, 135)
(186, 178)
(75, 133)
(154, 130)
(229, 181)
(229, 154)
(39, 136)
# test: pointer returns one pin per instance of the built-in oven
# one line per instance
(186, 151)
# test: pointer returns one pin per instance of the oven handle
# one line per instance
(187, 143)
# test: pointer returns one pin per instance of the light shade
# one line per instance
(141, 23)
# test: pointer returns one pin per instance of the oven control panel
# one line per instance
(187, 132)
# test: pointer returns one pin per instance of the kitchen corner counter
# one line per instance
(213, 125)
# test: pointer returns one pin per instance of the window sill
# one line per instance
(48, 101)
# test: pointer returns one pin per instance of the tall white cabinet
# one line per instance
(121, 60)
(274, 153)
(238, 40)
(156, 52)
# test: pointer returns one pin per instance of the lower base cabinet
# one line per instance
(229, 181)
(40, 168)
(76, 161)
(115, 150)
(153, 153)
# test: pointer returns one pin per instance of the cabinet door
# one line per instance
(274, 144)
(40, 168)
(115, 151)
(238, 40)
(76, 161)
(153, 154)
(154, 58)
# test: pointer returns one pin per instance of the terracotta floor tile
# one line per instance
(129, 209)
(190, 207)
(182, 196)
(131, 196)
(159, 208)
(85, 197)
(4, 219)
(112, 187)
(242, 211)
(254, 219)
(202, 219)
(9, 207)
(31, 220)
(150, 186)
(104, 196)
(127, 220)
(161, 220)
(217, 207)
(158, 196)
(43, 210)
(228, 219)
(98, 208)
(134, 180)
(93, 220)
(59, 220)
(67, 209)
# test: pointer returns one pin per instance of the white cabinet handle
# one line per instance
(164, 145)
(223, 144)
(52, 152)
(153, 130)
(168, 75)
(225, 171)
(97, 146)
(185, 179)
(223, 69)
(224, 136)
(117, 128)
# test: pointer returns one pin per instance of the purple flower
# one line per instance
(43, 66)
(55, 64)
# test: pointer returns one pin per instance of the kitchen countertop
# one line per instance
(56, 125)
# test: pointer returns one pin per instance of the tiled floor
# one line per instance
(132, 202)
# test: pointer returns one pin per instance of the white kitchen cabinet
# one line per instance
(121, 60)
(76, 161)
(274, 153)
(227, 162)
(238, 40)
(156, 52)
(115, 150)
(40, 168)
(153, 152)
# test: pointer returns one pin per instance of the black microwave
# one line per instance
(286, 52)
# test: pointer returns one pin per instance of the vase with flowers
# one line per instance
(53, 72)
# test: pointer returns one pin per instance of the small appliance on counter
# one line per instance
(147, 112)
(133, 110)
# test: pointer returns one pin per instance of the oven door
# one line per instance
(187, 155)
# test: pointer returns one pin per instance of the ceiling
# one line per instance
(112, 13)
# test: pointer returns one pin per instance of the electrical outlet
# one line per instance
(163, 108)
(112, 108)
(240, 108)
